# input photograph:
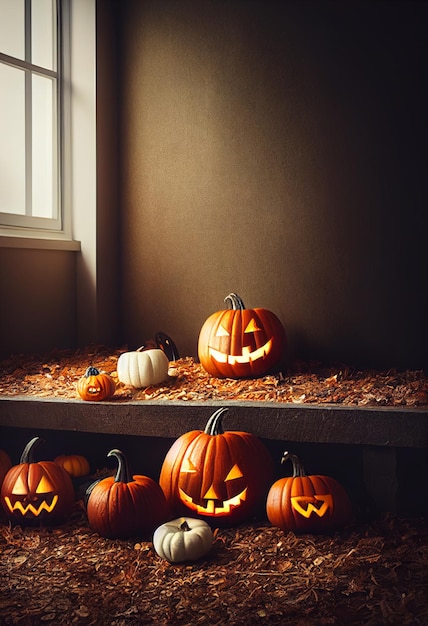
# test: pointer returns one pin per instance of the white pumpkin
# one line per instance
(183, 539)
(142, 368)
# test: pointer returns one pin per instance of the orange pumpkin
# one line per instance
(222, 477)
(240, 342)
(74, 464)
(95, 385)
(36, 491)
(307, 504)
(125, 505)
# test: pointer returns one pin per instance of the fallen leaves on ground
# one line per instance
(56, 375)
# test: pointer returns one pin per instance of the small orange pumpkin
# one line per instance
(307, 503)
(74, 464)
(240, 342)
(95, 385)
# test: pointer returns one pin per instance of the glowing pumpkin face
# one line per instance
(310, 504)
(216, 474)
(240, 342)
(227, 488)
(36, 491)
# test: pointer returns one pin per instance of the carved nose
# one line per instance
(211, 494)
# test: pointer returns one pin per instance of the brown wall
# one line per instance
(276, 150)
(38, 300)
(273, 149)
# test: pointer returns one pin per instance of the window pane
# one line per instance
(43, 141)
(43, 28)
(12, 28)
(12, 144)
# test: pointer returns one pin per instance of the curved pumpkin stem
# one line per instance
(167, 346)
(235, 301)
(92, 371)
(298, 469)
(214, 425)
(123, 474)
(27, 455)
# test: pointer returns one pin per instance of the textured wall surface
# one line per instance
(38, 303)
(276, 150)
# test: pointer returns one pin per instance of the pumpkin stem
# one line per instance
(167, 345)
(123, 474)
(185, 526)
(27, 455)
(214, 425)
(235, 301)
(92, 371)
(298, 469)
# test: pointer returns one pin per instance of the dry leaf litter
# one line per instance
(374, 573)
(255, 574)
(56, 375)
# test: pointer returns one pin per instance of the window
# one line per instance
(30, 118)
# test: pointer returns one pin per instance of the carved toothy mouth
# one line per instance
(18, 506)
(246, 357)
(211, 508)
(306, 505)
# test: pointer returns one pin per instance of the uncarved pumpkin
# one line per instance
(36, 491)
(74, 464)
(125, 505)
(220, 476)
(307, 503)
(142, 368)
(240, 342)
(183, 539)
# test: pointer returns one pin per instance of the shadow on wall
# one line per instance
(276, 150)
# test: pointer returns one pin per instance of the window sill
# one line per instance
(41, 242)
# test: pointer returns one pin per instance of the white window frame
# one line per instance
(77, 156)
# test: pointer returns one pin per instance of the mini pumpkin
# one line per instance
(125, 505)
(36, 491)
(5, 464)
(74, 464)
(143, 367)
(220, 476)
(307, 504)
(95, 385)
(183, 539)
(240, 342)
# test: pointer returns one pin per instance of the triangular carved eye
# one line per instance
(188, 467)
(252, 326)
(19, 488)
(44, 486)
(222, 332)
(235, 472)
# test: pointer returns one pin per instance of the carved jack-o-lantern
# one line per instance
(240, 342)
(33, 492)
(95, 385)
(311, 504)
(215, 474)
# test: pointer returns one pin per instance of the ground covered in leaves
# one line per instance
(255, 574)
(56, 374)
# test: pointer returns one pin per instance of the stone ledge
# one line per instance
(304, 423)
